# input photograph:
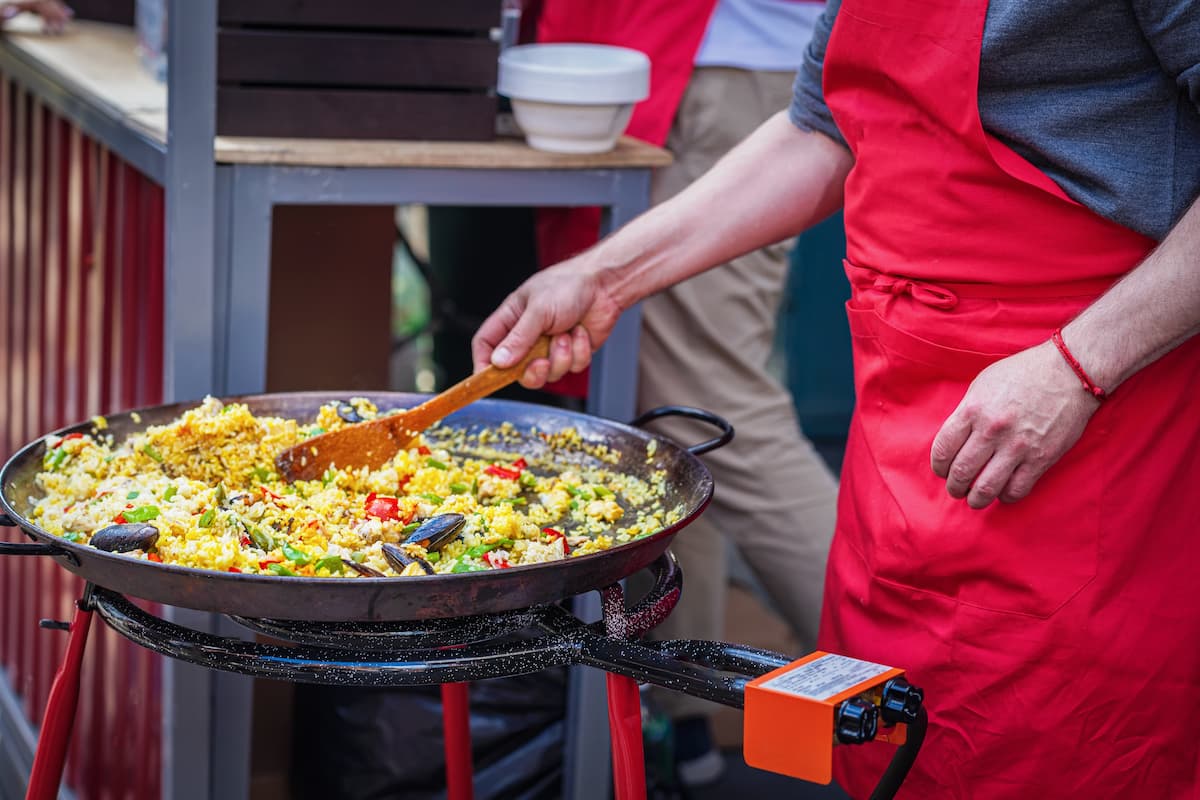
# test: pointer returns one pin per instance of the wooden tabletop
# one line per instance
(100, 62)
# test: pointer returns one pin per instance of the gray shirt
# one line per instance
(1101, 95)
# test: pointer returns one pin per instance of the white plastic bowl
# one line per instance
(573, 98)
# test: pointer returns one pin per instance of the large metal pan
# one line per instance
(379, 599)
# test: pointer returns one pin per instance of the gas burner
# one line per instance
(454, 651)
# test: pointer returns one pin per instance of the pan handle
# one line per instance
(691, 413)
(27, 548)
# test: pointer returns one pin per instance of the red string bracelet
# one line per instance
(1088, 384)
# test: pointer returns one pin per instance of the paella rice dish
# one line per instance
(202, 491)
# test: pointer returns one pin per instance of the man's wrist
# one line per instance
(616, 268)
(1085, 379)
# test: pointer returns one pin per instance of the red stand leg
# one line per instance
(456, 721)
(625, 725)
(59, 718)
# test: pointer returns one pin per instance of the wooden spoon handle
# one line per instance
(467, 391)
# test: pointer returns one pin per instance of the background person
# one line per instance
(719, 69)
(707, 342)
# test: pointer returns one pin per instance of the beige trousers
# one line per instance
(706, 342)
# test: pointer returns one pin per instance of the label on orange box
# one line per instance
(825, 677)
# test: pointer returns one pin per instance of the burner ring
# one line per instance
(391, 636)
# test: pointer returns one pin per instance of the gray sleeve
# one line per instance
(1173, 29)
(808, 110)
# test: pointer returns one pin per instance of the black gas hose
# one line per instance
(903, 760)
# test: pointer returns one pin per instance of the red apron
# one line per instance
(1057, 638)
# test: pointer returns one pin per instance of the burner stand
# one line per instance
(462, 649)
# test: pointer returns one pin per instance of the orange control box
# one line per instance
(791, 713)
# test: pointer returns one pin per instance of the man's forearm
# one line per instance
(776, 183)
(1149, 312)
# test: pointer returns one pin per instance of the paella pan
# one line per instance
(502, 506)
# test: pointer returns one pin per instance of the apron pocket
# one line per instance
(1027, 558)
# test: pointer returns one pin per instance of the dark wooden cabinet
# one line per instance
(349, 69)
(365, 69)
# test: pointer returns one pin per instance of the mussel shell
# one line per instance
(438, 531)
(363, 569)
(125, 537)
(348, 412)
(400, 559)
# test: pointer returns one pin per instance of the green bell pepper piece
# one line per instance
(141, 514)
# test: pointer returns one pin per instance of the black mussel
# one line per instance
(363, 569)
(400, 559)
(125, 537)
(436, 532)
(348, 412)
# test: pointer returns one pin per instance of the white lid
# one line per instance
(579, 74)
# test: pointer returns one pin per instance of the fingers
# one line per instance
(949, 440)
(495, 328)
(562, 360)
(986, 466)
(560, 356)
(967, 464)
(969, 461)
(1020, 484)
(993, 479)
(520, 338)
(581, 349)
(537, 373)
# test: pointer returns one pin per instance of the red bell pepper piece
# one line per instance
(270, 560)
(501, 472)
(235, 569)
(553, 534)
(520, 464)
(423, 450)
(120, 519)
(65, 438)
(496, 561)
(384, 508)
(155, 557)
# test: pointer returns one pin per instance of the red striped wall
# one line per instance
(81, 320)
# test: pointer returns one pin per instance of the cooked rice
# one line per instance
(207, 482)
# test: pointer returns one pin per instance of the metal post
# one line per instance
(249, 280)
(190, 177)
(205, 717)
(612, 393)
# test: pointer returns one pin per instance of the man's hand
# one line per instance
(567, 299)
(1018, 417)
(54, 14)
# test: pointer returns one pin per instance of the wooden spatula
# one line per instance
(372, 443)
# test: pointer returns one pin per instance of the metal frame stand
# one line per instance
(450, 652)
